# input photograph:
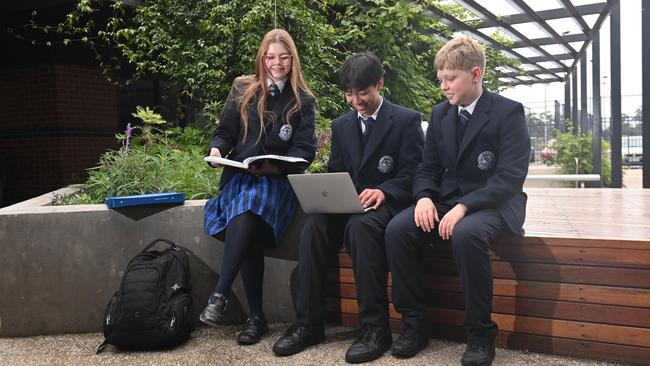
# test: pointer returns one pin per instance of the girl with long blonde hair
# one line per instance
(270, 112)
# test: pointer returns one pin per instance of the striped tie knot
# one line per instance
(274, 90)
(367, 122)
(465, 115)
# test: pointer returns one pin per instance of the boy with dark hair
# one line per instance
(468, 189)
(379, 144)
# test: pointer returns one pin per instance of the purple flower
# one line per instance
(129, 131)
(324, 136)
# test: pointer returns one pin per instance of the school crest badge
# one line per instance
(285, 132)
(486, 160)
(385, 164)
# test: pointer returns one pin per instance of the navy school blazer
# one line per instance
(488, 169)
(298, 139)
(392, 154)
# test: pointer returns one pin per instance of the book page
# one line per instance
(224, 161)
(289, 159)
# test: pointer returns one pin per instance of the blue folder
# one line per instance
(145, 199)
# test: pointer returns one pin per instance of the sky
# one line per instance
(539, 97)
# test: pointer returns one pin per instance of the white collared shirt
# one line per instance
(374, 115)
(279, 83)
(470, 108)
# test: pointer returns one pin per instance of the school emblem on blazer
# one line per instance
(486, 160)
(285, 132)
(385, 164)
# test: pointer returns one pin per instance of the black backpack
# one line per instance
(153, 307)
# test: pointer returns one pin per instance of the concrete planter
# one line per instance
(59, 265)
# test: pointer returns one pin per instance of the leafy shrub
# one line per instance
(153, 160)
(570, 146)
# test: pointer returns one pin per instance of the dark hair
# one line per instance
(360, 71)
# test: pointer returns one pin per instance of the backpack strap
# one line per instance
(171, 244)
(102, 346)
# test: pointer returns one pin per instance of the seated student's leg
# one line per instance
(320, 237)
(364, 240)
(252, 272)
(471, 242)
(238, 239)
(404, 245)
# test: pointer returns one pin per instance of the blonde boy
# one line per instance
(468, 190)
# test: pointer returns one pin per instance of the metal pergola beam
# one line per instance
(541, 22)
(645, 61)
(562, 56)
(455, 23)
(615, 77)
(576, 16)
(551, 41)
(481, 11)
(533, 72)
(595, 29)
(551, 14)
(595, 77)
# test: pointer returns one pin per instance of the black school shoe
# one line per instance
(480, 351)
(297, 338)
(215, 312)
(409, 343)
(253, 330)
(371, 343)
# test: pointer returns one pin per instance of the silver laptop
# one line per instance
(326, 193)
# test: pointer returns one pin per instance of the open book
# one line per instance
(250, 162)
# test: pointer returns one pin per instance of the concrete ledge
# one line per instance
(59, 265)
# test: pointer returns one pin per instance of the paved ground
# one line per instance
(218, 347)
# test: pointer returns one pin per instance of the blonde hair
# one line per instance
(462, 53)
(256, 82)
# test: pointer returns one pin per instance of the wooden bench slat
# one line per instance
(626, 258)
(605, 295)
(544, 272)
(529, 325)
(594, 313)
(534, 343)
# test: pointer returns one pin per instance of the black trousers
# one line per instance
(470, 242)
(363, 237)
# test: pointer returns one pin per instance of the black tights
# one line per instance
(246, 237)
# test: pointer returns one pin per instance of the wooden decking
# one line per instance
(578, 284)
(588, 213)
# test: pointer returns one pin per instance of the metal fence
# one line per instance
(542, 127)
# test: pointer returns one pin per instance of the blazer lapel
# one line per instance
(476, 123)
(380, 128)
(352, 140)
(449, 125)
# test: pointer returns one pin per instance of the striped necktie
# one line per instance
(463, 119)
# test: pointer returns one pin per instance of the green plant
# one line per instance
(577, 149)
(202, 45)
(151, 160)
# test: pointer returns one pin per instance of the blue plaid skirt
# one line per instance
(270, 197)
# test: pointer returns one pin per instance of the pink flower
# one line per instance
(548, 153)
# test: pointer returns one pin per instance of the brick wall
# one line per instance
(56, 121)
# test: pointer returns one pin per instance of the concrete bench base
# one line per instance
(60, 265)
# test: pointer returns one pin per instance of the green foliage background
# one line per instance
(202, 45)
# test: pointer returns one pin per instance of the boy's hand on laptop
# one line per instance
(372, 197)
(215, 152)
